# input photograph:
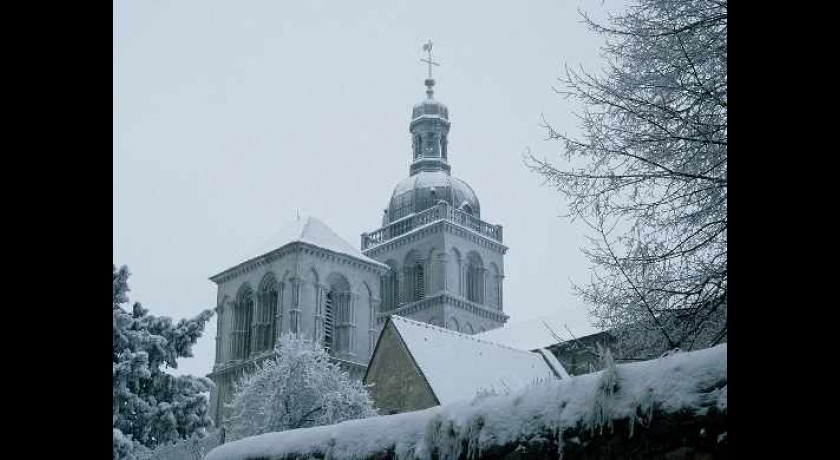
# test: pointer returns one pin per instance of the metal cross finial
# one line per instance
(428, 48)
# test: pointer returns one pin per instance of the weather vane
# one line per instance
(427, 47)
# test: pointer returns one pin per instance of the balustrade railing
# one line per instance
(441, 211)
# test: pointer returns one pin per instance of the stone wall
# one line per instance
(675, 436)
(671, 408)
(680, 436)
(396, 385)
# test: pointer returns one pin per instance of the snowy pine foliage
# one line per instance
(151, 406)
(298, 388)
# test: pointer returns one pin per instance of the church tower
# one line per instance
(446, 264)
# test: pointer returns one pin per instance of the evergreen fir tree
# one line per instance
(151, 406)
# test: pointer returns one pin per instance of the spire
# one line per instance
(430, 82)
(429, 126)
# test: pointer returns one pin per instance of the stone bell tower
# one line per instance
(446, 264)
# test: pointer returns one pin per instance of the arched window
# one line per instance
(265, 327)
(242, 319)
(329, 317)
(338, 317)
(415, 278)
(475, 278)
(390, 287)
(443, 146)
(419, 283)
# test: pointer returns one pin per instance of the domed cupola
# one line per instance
(429, 180)
(425, 189)
(429, 128)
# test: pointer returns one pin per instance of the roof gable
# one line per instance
(308, 230)
(395, 382)
(456, 366)
(312, 231)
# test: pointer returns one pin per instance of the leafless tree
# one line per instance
(648, 175)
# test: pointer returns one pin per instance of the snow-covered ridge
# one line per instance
(458, 365)
(308, 230)
(692, 381)
(442, 330)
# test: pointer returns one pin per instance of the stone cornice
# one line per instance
(234, 366)
(445, 298)
(302, 248)
(436, 227)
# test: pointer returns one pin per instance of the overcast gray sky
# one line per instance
(231, 115)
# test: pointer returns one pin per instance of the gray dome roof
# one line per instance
(430, 107)
(424, 189)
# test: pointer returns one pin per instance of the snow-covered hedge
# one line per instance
(632, 397)
(194, 448)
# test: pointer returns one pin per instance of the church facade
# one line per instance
(432, 260)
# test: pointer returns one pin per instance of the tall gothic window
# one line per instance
(443, 146)
(390, 288)
(266, 317)
(414, 277)
(242, 319)
(329, 322)
(419, 282)
(337, 316)
(475, 278)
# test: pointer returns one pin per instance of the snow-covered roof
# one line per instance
(691, 381)
(312, 231)
(457, 366)
(534, 333)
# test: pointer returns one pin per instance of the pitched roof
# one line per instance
(533, 333)
(457, 366)
(309, 230)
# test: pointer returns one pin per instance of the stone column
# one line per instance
(320, 303)
(256, 320)
(294, 313)
(443, 265)
(219, 334)
(352, 300)
(500, 279)
(233, 334)
(482, 288)
(403, 288)
(428, 277)
(278, 321)
(374, 310)
(462, 278)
